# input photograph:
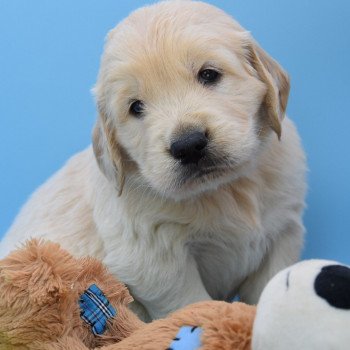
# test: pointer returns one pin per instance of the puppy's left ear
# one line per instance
(277, 83)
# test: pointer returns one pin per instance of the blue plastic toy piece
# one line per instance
(188, 338)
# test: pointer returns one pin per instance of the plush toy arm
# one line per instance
(187, 338)
(202, 326)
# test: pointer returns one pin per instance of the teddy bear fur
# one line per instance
(225, 326)
(40, 285)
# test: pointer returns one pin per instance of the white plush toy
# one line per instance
(305, 307)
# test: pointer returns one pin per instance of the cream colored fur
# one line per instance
(175, 242)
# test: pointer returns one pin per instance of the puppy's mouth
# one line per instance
(204, 171)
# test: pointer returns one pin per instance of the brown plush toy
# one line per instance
(52, 301)
(42, 288)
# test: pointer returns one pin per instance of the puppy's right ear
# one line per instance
(276, 81)
(107, 151)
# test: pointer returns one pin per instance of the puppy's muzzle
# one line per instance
(189, 148)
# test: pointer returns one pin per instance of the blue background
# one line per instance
(49, 57)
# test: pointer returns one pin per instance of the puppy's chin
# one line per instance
(186, 186)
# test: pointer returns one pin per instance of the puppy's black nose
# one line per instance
(189, 148)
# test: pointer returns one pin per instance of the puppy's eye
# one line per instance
(137, 108)
(209, 76)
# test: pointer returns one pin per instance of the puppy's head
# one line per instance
(186, 99)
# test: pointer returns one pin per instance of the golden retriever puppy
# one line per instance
(194, 187)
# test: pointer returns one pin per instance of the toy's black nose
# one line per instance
(190, 147)
(333, 285)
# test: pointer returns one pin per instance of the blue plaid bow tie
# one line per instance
(95, 309)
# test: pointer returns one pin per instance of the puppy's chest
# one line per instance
(224, 259)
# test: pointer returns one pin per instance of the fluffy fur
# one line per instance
(176, 235)
(225, 326)
(40, 285)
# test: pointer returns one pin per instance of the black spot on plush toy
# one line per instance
(333, 285)
(306, 306)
